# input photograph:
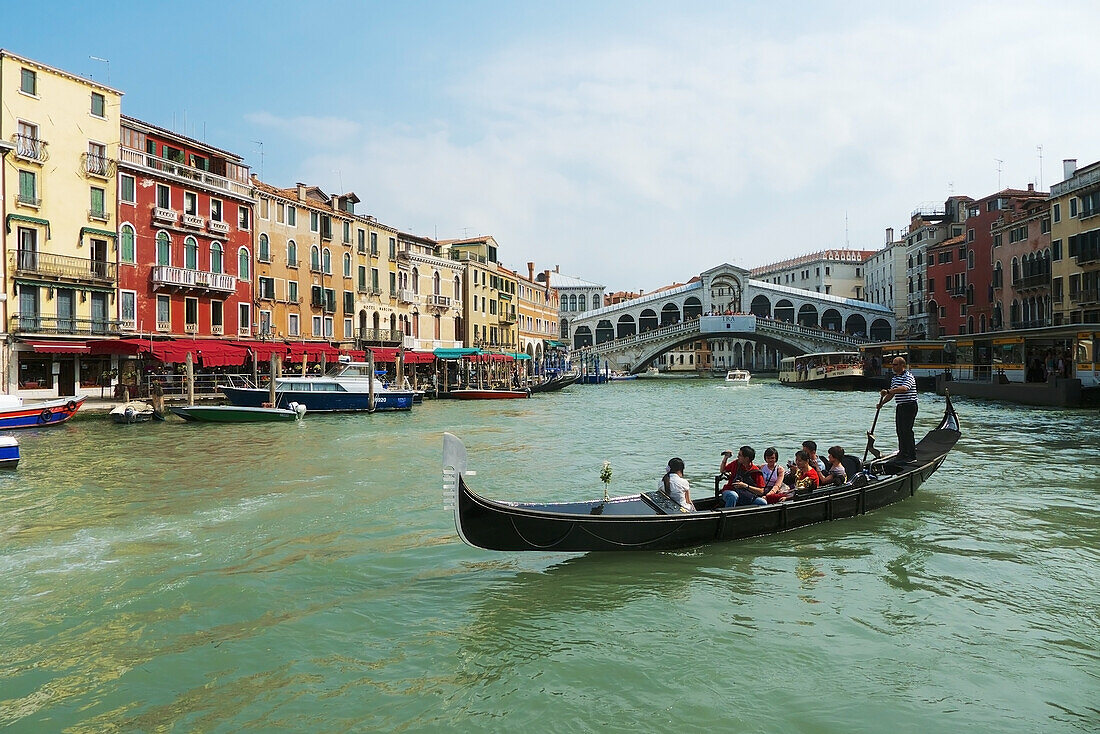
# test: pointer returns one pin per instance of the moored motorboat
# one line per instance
(652, 521)
(9, 452)
(239, 413)
(14, 413)
(346, 388)
(135, 411)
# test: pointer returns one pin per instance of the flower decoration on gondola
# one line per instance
(605, 477)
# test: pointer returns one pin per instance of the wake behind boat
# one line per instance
(653, 521)
(346, 388)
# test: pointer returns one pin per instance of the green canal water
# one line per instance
(198, 578)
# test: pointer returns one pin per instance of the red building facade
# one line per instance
(185, 216)
(947, 287)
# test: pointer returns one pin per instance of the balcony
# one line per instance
(165, 276)
(506, 319)
(406, 296)
(436, 301)
(956, 291)
(164, 215)
(291, 263)
(62, 268)
(33, 201)
(380, 337)
(1087, 256)
(1034, 324)
(185, 173)
(190, 328)
(39, 324)
(28, 148)
(218, 227)
(362, 249)
(1085, 297)
(99, 215)
(193, 220)
(97, 165)
(217, 330)
(369, 291)
(1031, 282)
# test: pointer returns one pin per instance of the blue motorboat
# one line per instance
(9, 452)
(345, 388)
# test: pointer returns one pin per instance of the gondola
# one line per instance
(555, 383)
(652, 521)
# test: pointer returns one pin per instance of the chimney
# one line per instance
(889, 235)
(1031, 187)
(546, 276)
(301, 191)
(1069, 167)
(531, 272)
(557, 268)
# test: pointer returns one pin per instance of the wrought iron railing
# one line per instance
(165, 275)
(31, 149)
(179, 170)
(40, 324)
(62, 267)
(1042, 280)
(97, 165)
(380, 336)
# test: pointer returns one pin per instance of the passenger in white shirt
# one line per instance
(675, 486)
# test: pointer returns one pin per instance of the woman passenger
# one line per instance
(774, 488)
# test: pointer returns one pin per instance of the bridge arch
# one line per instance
(784, 311)
(831, 321)
(693, 308)
(670, 314)
(626, 326)
(647, 321)
(582, 337)
(807, 315)
(605, 332)
(761, 306)
(856, 325)
(880, 330)
(725, 292)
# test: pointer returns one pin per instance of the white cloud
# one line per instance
(636, 162)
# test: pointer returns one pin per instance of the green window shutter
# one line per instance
(97, 201)
(128, 244)
(26, 185)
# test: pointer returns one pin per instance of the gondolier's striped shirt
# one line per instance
(906, 380)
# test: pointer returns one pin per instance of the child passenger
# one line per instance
(675, 486)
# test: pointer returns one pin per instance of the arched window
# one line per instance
(291, 254)
(347, 265)
(243, 263)
(326, 261)
(191, 254)
(435, 284)
(315, 258)
(580, 303)
(415, 280)
(458, 290)
(126, 244)
(164, 249)
(217, 262)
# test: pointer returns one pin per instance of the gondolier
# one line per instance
(903, 390)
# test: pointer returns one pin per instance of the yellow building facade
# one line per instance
(60, 272)
(537, 308)
(489, 294)
(430, 287)
(1075, 245)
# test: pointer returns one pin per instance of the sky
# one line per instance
(633, 144)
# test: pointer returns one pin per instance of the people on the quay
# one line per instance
(675, 486)
(746, 483)
(835, 475)
(903, 391)
(805, 475)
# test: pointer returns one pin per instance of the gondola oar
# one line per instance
(871, 436)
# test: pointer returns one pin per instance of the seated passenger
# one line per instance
(675, 486)
(835, 475)
(746, 483)
(774, 474)
(810, 447)
(805, 475)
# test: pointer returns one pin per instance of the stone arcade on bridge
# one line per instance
(813, 320)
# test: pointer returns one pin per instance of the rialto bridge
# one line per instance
(722, 304)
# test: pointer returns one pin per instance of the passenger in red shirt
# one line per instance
(746, 484)
(805, 475)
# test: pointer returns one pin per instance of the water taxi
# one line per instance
(738, 377)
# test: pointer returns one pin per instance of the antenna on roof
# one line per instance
(105, 61)
(261, 144)
(1000, 164)
(845, 228)
(1040, 149)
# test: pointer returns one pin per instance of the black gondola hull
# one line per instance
(638, 523)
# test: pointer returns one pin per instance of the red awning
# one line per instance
(312, 352)
(356, 354)
(213, 353)
(130, 347)
(59, 347)
(264, 350)
(389, 354)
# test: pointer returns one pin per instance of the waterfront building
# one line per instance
(537, 308)
(306, 264)
(947, 287)
(1075, 244)
(836, 272)
(489, 308)
(60, 209)
(430, 288)
(884, 276)
(928, 226)
(575, 296)
(1022, 267)
(185, 236)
